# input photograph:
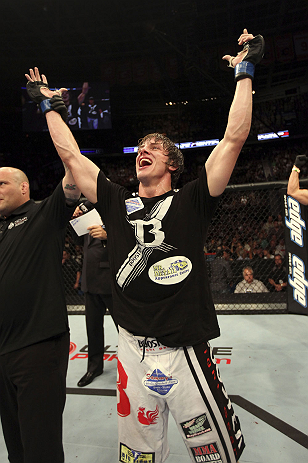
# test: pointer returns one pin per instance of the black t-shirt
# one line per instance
(33, 306)
(155, 245)
(279, 275)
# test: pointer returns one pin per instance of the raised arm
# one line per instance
(221, 162)
(71, 191)
(84, 171)
(80, 172)
(84, 91)
(293, 185)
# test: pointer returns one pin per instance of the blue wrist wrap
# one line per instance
(244, 69)
(45, 105)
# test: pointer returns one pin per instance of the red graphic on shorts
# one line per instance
(123, 406)
(72, 347)
(150, 417)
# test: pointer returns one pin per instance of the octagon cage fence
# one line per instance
(247, 231)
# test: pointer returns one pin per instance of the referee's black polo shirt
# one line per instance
(32, 298)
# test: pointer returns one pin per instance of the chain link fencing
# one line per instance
(245, 250)
(72, 271)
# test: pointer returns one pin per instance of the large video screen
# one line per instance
(88, 107)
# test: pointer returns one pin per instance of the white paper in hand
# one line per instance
(80, 224)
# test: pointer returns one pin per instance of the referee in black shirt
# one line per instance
(34, 333)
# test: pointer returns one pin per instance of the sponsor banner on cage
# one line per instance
(296, 253)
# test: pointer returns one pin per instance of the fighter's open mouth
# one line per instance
(145, 162)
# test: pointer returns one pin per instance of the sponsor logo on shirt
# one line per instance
(207, 453)
(18, 222)
(159, 382)
(149, 237)
(133, 205)
(128, 455)
(171, 270)
(196, 426)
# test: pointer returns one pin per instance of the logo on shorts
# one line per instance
(207, 453)
(160, 383)
(196, 426)
(171, 270)
(150, 344)
(150, 417)
(128, 455)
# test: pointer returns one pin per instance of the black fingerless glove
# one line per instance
(300, 160)
(255, 53)
(57, 104)
(47, 104)
(34, 91)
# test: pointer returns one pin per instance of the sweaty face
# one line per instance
(11, 195)
(151, 161)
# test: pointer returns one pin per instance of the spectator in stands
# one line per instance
(212, 246)
(267, 253)
(262, 240)
(233, 246)
(277, 230)
(281, 248)
(272, 244)
(279, 220)
(227, 255)
(249, 284)
(221, 273)
(268, 225)
(241, 253)
(248, 246)
(257, 253)
(278, 275)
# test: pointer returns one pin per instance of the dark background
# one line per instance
(161, 58)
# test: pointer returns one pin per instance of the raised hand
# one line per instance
(244, 62)
(300, 160)
(234, 60)
(39, 92)
(41, 81)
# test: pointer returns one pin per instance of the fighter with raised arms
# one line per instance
(162, 300)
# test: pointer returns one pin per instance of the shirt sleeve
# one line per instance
(55, 210)
(107, 193)
(202, 201)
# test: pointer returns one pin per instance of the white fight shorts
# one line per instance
(153, 379)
